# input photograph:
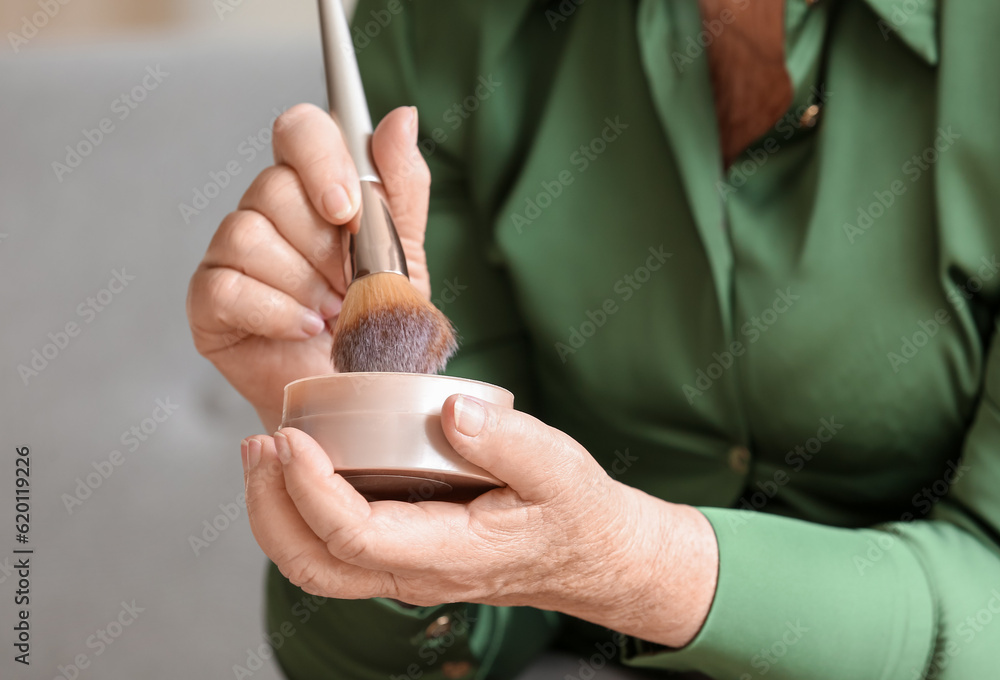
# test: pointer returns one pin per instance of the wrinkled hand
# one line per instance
(263, 301)
(562, 535)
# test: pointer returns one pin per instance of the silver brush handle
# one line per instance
(376, 247)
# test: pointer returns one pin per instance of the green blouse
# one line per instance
(801, 346)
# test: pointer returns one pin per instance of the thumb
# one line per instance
(537, 461)
(404, 172)
(407, 182)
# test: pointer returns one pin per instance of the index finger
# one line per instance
(289, 542)
(308, 139)
(380, 536)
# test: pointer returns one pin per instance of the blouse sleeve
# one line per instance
(914, 599)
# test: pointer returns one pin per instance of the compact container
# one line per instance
(383, 432)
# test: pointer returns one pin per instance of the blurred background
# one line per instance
(127, 131)
(143, 565)
(79, 21)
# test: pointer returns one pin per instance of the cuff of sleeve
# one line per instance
(797, 600)
(408, 610)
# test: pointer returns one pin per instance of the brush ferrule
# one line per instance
(376, 247)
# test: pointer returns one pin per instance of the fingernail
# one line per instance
(331, 306)
(253, 453)
(243, 455)
(470, 416)
(414, 123)
(284, 450)
(312, 323)
(338, 203)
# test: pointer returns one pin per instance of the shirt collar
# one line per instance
(915, 22)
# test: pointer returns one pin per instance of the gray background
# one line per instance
(130, 540)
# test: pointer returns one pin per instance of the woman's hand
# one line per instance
(274, 274)
(562, 536)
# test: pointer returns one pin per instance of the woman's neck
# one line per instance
(751, 85)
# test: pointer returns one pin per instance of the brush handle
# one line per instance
(376, 247)
(344, 90)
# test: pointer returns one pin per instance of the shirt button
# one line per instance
(456, 669)
(739, 459)
(439, 627)
(810, 117)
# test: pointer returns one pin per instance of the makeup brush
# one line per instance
(385, 324)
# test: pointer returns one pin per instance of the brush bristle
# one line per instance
(386, 325)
